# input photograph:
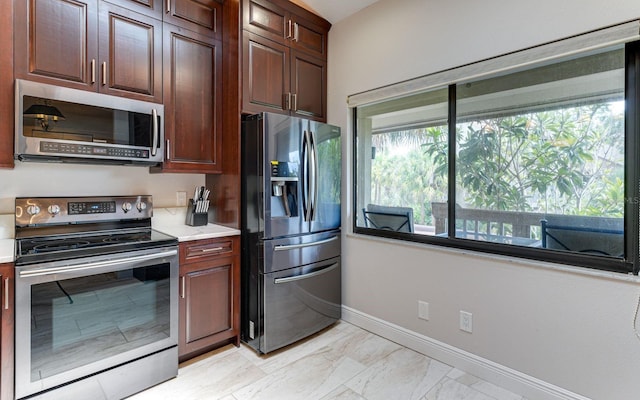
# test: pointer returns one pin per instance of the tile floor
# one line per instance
(343, 362)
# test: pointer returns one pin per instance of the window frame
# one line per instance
(629, 264)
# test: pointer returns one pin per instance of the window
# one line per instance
(537, 162)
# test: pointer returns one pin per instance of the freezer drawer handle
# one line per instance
(306, 276)
(302, 245)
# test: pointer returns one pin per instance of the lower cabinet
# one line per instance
(209, 295)
(6, 330)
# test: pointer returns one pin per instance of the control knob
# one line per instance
(141, 206)
(33, 209)
(126, 207)
(54, 209)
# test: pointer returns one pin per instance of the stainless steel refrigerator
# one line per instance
(291, 272)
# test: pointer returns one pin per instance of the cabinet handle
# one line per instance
(168, 5)
(287, 101)
(294, 107)
(289, 30)
(212, 249)
(182, 287)
(295, 31)
(168, 143)
(6, 293)
(93, 71)
(104, 73)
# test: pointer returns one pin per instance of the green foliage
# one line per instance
(564, 161)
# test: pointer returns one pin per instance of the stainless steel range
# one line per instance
(96, 298)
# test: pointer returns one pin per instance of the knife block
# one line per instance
(194, 218)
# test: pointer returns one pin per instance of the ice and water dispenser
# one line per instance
(284, 189)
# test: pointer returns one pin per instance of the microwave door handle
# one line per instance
(156, 133)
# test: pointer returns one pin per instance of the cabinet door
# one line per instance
(6, 87)
(6, 331)
(56, 41)
(201, 16)
(130, 54)
(192, 99)
(309, 84)
(309, 37)
(266, 77)
(152, 8)
(267, 20)
(206, 305)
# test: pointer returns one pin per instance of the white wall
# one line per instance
(566, 328)
(42, 179)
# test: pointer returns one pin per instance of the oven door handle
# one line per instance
(95, 265)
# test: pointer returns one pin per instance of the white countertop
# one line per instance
(7, 229)
(6, 250)
(172, 222)
(165, 220)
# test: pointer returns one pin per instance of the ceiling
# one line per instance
(335, 10)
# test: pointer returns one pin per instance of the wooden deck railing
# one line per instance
(489, 222)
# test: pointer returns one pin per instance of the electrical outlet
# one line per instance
(181, 199)
(466, 321)
(423, 310)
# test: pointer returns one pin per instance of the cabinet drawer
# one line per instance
(199, 250)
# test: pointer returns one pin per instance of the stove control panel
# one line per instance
(71, 210)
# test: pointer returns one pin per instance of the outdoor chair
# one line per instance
(398, 219)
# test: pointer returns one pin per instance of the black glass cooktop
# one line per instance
(57, 247)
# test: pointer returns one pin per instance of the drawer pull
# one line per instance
(212, 249)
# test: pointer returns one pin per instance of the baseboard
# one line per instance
(515, 381)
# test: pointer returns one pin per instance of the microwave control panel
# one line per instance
(91, 150)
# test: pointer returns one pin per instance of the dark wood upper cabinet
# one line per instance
(6, 88)
(266, 75)
(130, 54)
(201, 16)
(288, 24)
(267, 20)
(192, 88)
(309, 83)
(151, 8)
(284, 59)
(89, 45)
(56, 41)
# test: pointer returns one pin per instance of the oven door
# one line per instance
(79, 317)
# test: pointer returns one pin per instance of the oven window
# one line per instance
(82, 320)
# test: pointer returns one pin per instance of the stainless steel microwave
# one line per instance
(59, 124)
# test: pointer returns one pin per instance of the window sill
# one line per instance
(546, 265)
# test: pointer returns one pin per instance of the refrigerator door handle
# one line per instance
(306, 276)
(314, 176)
(306, 176)
(303, 245)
